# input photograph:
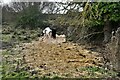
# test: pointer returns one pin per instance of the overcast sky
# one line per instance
(8, 1)
(45, 10)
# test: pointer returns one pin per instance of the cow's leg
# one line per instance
(53, 33)
(50, 34)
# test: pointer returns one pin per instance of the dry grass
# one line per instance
(62, 58)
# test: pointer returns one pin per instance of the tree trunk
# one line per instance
(107, 31)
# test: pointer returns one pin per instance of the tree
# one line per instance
(104, 13)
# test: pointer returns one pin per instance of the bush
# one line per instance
(31, 18)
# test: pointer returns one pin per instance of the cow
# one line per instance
(47, 32)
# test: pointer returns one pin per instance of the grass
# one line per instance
(20, 35)
(0, 71)
(6, 37)
(97, 72)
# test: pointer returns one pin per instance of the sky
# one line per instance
(8, 1)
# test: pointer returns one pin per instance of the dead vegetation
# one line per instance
(53, 58)
(60, 59)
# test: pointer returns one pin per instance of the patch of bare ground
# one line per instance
(61, 59)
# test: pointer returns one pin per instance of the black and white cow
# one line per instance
(49, 32)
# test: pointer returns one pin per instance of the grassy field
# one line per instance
(29, 58)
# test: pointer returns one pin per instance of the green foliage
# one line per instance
(93, 69)
(23, 75)
(6, 38)
(104, 10)
(97, 72)
(93, 16)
